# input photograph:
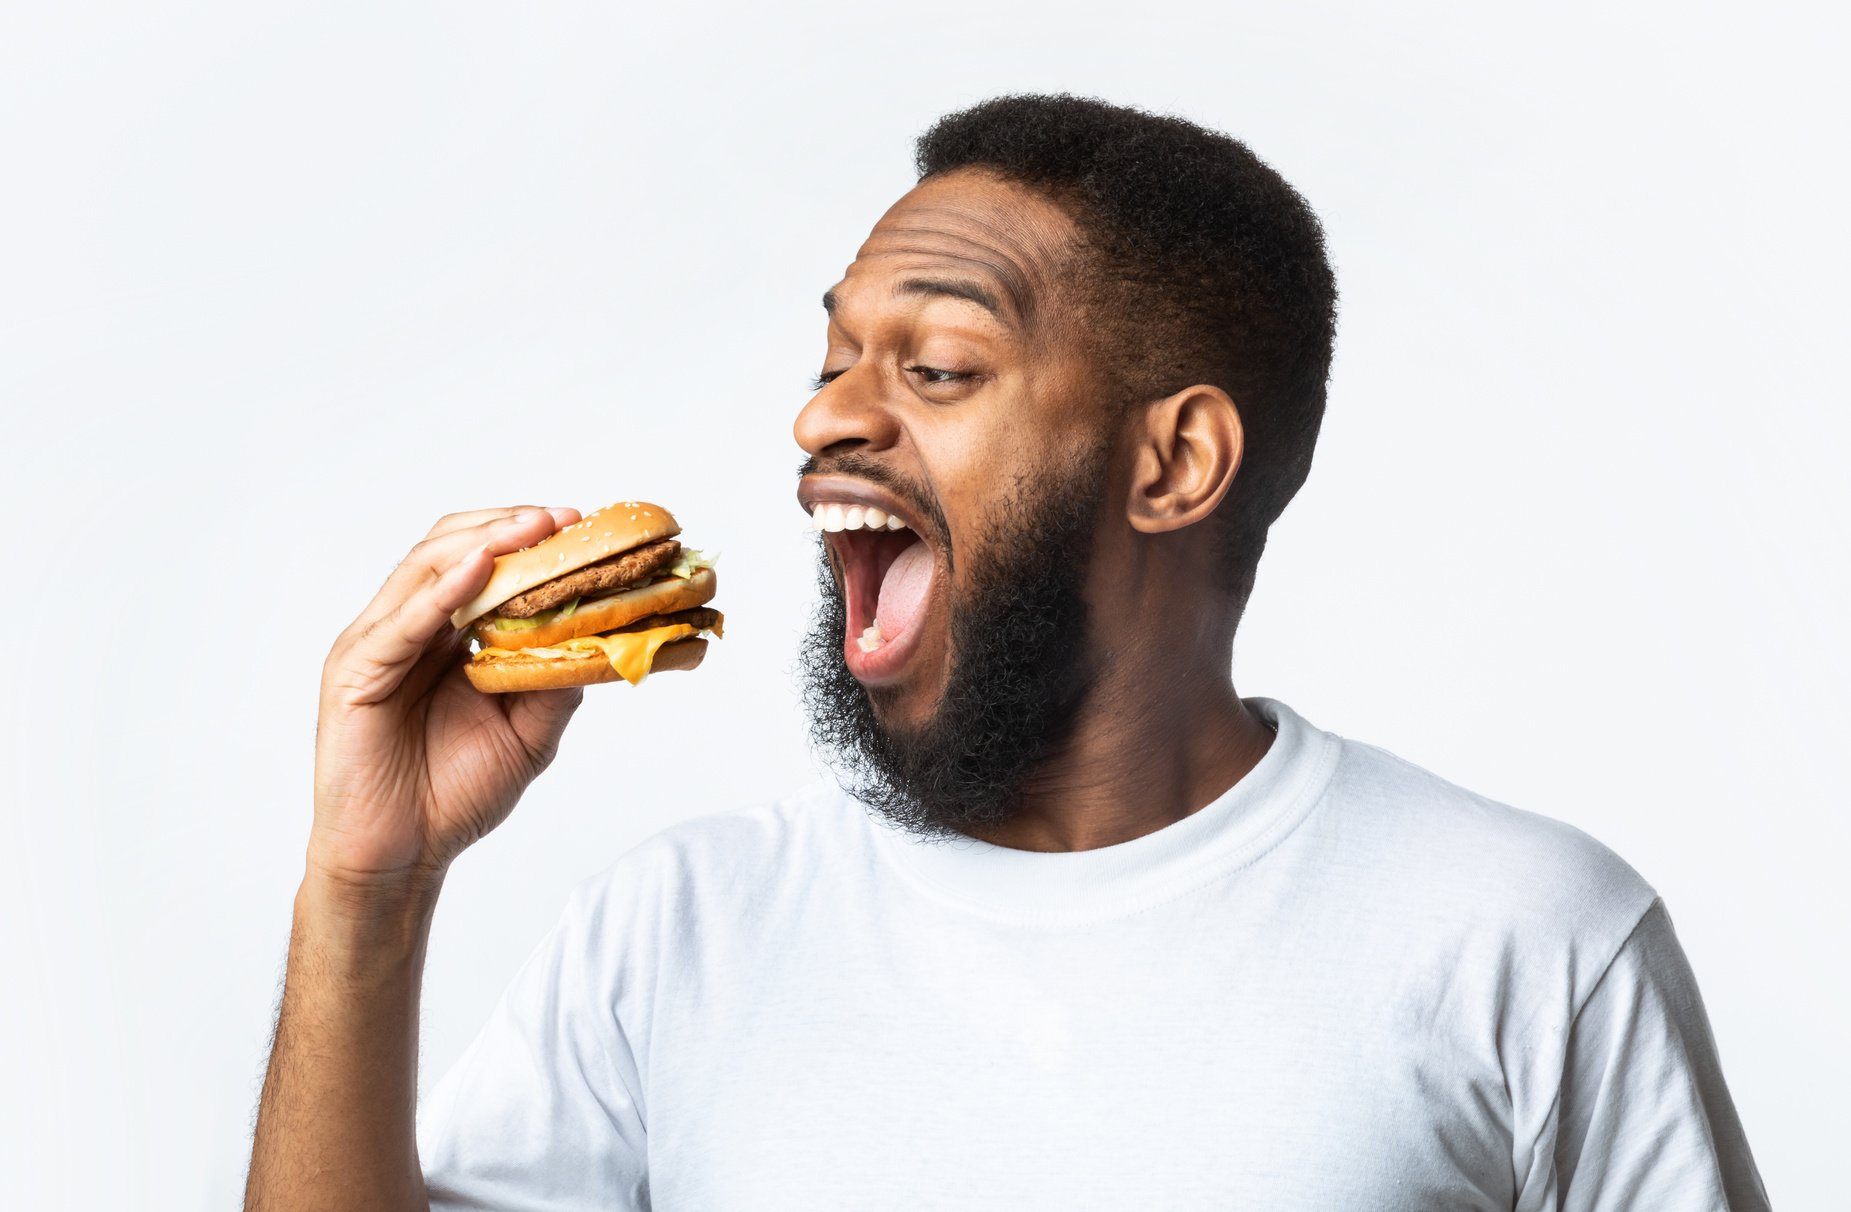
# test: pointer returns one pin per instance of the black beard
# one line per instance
(1018, 671)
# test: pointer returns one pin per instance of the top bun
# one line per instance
(602, 533)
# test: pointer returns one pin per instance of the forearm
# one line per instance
(336, 1123)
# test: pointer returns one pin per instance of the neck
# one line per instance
(1151, 745)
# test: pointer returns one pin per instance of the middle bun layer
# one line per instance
(605, 614)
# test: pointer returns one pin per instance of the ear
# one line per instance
(1185, 450)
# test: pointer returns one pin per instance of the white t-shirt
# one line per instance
(1343, 984)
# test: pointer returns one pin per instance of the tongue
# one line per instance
(903, 590)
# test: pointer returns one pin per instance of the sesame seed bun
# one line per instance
(601, 534)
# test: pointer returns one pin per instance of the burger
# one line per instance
(612, 596)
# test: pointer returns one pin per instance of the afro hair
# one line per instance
(1200, 264)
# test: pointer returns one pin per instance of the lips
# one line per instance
(887, 573)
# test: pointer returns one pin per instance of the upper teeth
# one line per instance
(833, 516)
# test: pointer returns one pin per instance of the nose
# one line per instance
(847, 414)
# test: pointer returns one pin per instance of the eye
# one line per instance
(825, 379)
(933, 375)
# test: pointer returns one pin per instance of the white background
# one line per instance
(281, 283)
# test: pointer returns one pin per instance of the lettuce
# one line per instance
(689, 561)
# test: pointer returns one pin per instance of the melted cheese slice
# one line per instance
(630, 653)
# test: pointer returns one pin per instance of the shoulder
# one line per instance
(1486, 862)
(813, 818)
(738, 856)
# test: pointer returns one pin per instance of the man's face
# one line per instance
(950, 654)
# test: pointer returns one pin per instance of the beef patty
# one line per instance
(624, 568)
(704, 618)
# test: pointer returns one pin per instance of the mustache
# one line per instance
(920, 499)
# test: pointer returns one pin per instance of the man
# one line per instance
(1087, 929)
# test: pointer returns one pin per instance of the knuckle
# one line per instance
(344, 643)
(357, 680)
(373, 626)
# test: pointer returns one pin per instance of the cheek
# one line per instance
(983, 453)
(974, 473)
(972, 445)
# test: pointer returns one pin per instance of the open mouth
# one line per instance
(886, 571)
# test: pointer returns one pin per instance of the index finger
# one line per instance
(450, 523)
(498, 530)
(455, 534)
(373, 657)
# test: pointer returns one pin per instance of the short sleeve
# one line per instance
(542, 1112)
(1644, 1117)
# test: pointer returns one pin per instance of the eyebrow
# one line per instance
(956, 288)
(949, 288)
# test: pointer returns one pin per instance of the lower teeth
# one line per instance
(870, 639)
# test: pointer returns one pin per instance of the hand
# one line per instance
(412, 763)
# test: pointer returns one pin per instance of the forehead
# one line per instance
(966, 228)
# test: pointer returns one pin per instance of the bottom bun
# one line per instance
(591, 669)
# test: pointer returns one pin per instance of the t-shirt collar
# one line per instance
(1054, 888)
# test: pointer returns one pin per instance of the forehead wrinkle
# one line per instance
(1001, 230)
(996, 263)
(1010, 227)
(1022, 242)
(1004, 222)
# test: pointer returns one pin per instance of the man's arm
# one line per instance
(335, 1123)
(412, 765)
(1645, 1119)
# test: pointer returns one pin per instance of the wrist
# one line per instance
(364, 920)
